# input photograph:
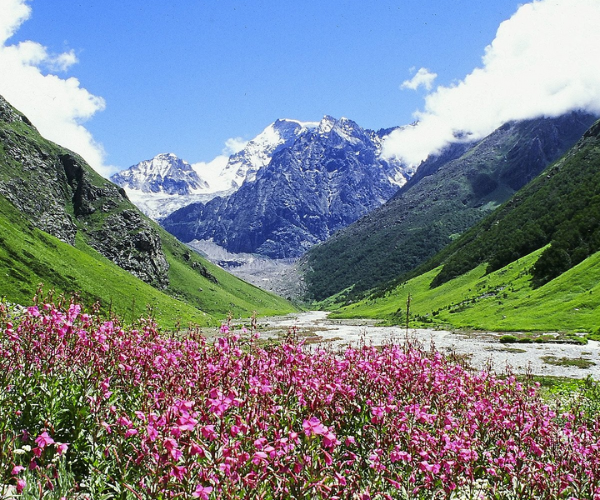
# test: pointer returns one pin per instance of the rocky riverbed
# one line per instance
(479, 349)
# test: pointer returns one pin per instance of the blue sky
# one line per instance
(184, 77)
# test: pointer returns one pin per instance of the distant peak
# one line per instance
(291, 123)
(166, 155)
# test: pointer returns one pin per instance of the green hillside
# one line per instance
(531, 265)
(560, 207)
(447, 196)
(64, 226)
(29, 257)
(503, 300)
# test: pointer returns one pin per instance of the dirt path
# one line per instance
(479, 348)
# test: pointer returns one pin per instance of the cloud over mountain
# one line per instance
(542, 62)
(57, 106)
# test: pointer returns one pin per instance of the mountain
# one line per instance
(64, 225)
(447, 195)
(533, 264)
(244, 165)
(166, 183)
(328, 177)
(164, 173)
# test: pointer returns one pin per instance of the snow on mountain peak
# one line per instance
(165, 173)
(244, 165)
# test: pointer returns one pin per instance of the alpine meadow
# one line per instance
(300, 250)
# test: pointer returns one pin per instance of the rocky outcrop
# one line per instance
(62, 196)
(131, 243)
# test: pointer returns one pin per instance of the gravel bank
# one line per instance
(479, 348)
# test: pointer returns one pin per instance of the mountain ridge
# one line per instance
(445, 197)
(530, 266)
(326, 179)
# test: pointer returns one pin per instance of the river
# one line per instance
(481, 349)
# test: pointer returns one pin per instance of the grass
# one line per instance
(503, 301)
(578, 362)
(29, 257)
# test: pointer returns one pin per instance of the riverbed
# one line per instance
(478, 349)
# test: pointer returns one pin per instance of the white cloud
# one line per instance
(423, 77)
(234, 145)
(543, 62)
(56, 106)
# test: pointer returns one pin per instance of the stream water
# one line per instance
(480, 349)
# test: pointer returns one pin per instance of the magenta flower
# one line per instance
(17, 469)
(130, 432)
(330, 440)
(172, 447)
(179, 472)
(21, 484)
(314, 426)
(44, 440)
(62, 447)
(202, 492)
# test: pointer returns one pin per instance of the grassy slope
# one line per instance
(446, 197)
(501, 301)
(228, 294)
(29, 257)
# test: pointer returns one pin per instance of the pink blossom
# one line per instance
(17, 469)
(313, 426)
(44, 440)
(61, 448)
(21, 484)
(202, 492)
(173, 448)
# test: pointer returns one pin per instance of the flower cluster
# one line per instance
(162, 417)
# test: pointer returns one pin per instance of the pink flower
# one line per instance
(17, 469)
(396, 456)
(179, 472)
(196, 449)
(202, 492)
(21, 483)
(44, 440)
(172, 447)
(259, 457)
(330, 440)
(314, 426)
(62, 447)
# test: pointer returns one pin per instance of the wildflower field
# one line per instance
(93, 410)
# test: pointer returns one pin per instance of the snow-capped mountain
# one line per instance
(257, 153)
(166, 183)
(325, 179)
(165, 174)
(162, 185)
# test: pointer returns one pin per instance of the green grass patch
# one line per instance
(578, 362)
(29, 257)
(502, 301)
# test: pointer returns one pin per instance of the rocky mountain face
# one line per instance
(64, 197)
(166, 183)
(327, 178)
(244, 165)
(165, 173)
(447, 195)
